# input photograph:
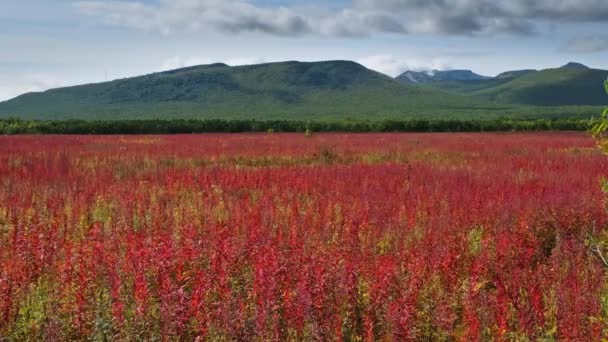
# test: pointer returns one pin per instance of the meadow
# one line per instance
(355, 237)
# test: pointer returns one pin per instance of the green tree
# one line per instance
(601, 127)
(599, 244)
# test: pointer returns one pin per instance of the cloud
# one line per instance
(30, 83)
(198, 15)
(359, 18)
(394, 66)
(575, 10)
(588, 44)
(353, 23)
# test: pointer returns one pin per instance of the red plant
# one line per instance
(277, 237)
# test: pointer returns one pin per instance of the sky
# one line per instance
(52, 43)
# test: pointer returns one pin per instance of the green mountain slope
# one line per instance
(573, 84)
(314, 91)
(335, 89)
(564, 86)
(512, 74)
(467, 87)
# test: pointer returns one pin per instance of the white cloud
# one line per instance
(394, 66)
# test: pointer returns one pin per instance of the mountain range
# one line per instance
(570, 85)
(321, 90)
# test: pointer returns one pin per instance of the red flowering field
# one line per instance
(330, 237)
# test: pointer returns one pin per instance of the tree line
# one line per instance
(183, 126)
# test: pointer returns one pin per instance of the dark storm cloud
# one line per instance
(362, 17)
(198, 15)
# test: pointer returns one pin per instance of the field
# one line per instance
(292, 237)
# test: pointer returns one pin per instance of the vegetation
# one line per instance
(597, 242)
(469, 87)
(15, 126)
(335, 90)
(552, 87)
(570, 85)
(330, 237)
(288, 90)
(600, 127)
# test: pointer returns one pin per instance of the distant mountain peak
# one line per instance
(217, 65)
(439, 75)
(574, 65)
(416, 76)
